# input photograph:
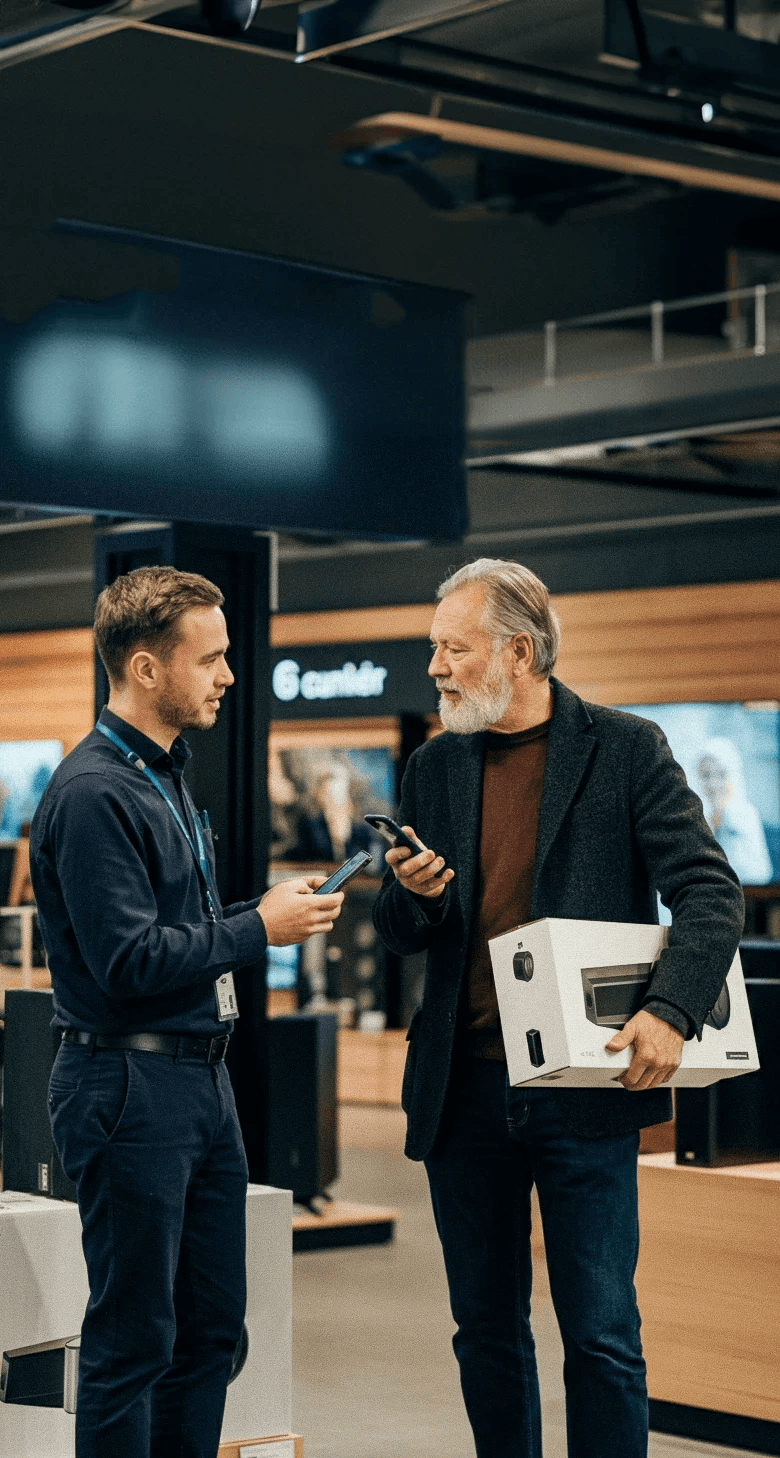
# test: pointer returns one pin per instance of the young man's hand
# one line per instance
(292, 913)
(420, 874)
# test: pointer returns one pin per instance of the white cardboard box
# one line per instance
(564, 987)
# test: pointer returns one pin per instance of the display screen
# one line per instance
(731, 757)
(26, 766)
(318, 797)
(250, 393)
(282, 968)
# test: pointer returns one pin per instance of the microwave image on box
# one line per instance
(614, 994)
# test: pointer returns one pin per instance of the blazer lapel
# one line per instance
(464, 778)
(568, 752)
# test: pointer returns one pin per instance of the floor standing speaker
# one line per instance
(30, 1161)
(302, 1151)
(737, 1121)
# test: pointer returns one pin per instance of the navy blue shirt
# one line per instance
(120, 898)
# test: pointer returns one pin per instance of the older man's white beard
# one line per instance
(477, 709)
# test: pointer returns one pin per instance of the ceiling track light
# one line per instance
(228, 18)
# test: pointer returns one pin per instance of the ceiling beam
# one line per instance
(638, 154)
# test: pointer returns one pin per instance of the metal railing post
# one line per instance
(550, 351)
(759, 346)
(657, 331)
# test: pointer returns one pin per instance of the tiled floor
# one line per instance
(374, 1373)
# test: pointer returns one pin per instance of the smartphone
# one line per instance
(350, 868)
(392, 833)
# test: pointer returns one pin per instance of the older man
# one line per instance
(540, 805)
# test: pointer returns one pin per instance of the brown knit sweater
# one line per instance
(511, 796)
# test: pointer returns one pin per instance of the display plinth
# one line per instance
(44, 1290)
(341, 1224)
(708, 1283)
(284, 1445)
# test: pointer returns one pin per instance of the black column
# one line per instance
(228, 771)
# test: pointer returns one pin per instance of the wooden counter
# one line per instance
(708, 1284)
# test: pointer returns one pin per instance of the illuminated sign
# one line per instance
(348, 682)
(329, 680)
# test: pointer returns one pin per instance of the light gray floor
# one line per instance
(374, 1372)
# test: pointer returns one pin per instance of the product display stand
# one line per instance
(343, 1224)
(285, 1445)
(43, 1281)
(708, 1284)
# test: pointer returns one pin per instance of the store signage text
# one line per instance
(347, 682)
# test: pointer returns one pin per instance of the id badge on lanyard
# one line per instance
(227, 1006)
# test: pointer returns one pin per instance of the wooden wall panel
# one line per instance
(47, 685)
(652, 646)
(673, 644)
(353, 625)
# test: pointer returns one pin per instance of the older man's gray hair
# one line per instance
(516, 601)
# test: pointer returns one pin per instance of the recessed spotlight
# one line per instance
(707, 111)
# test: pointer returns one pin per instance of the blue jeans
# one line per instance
(496, 1144)
(154, 1147)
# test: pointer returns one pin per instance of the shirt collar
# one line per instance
(147, 749)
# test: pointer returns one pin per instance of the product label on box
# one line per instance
(279, 1448)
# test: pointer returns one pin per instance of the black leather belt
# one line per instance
(206, 1050)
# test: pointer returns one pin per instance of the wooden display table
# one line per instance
(708, 1283)
(341, 1223)
(371, 1066)
(286, 1445)
(13, 977)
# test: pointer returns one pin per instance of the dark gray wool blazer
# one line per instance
(617, 822)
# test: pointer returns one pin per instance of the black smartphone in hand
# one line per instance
(350, 868)
(392, 833)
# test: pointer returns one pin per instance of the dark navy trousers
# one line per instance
(154, 1147)
(496, 1144)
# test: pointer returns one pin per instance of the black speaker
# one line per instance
(760, 958)
(737, 1121)
(302, 1150)
(30, 1161)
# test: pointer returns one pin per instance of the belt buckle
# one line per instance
(216, 1050)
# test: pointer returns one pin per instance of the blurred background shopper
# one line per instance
(539, 805)
(141, 955)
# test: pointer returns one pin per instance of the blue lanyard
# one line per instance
(197, 847)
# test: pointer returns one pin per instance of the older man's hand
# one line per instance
(424, 874)
(657, 1051)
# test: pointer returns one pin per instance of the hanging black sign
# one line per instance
(346, 680)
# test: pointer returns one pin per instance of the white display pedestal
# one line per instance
(43, 1293)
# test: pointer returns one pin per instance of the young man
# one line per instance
(540, 805)
(141, 955)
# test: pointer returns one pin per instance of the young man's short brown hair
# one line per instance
(142, 610)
